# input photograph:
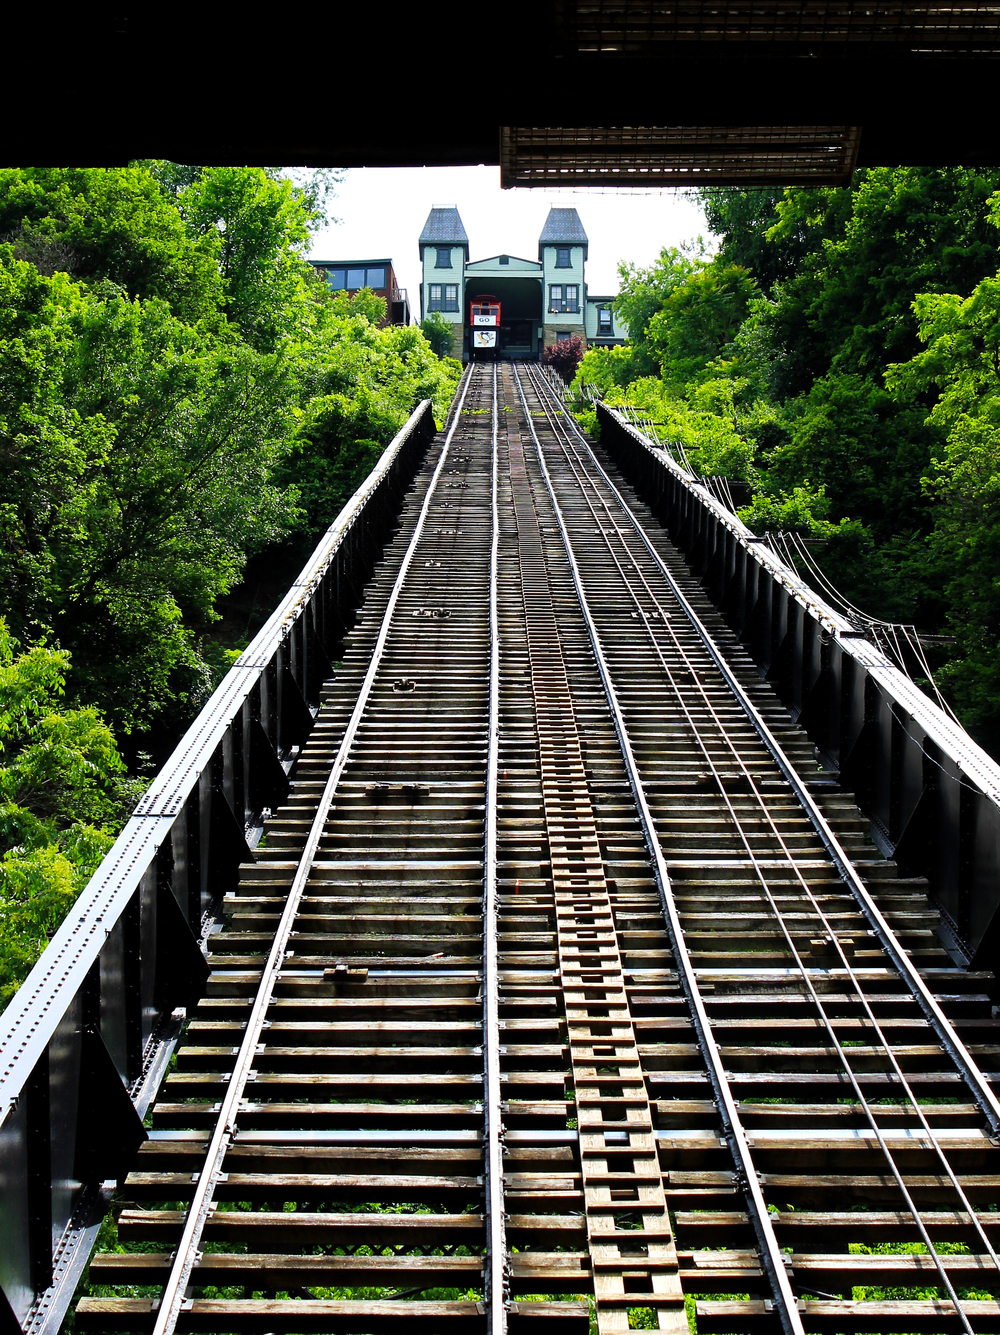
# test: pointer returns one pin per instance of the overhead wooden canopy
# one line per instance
(603, 92)
(677, 155)
(787, 27)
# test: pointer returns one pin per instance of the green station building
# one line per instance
(542, 301)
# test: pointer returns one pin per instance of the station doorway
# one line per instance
(520, 314)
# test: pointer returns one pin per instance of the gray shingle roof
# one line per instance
(443, 227)
(563, 227)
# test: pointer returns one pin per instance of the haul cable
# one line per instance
(827, 926)
(770, 1252)
(496, 1248)
(172, 1299)
(950, 1041)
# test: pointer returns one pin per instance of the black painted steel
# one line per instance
(86, 1040)
(932, 794)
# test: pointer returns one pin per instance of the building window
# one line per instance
(563, 257)
(443, 258)
(442, 296)
(505, 259)
(340, 278)
(563, 337)
(564, 298)
(605, 324)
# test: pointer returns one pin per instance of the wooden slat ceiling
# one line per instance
(771, 36)
(791, 27)
(676, 155)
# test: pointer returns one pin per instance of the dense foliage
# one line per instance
(179, 391)
(839, 352)
(437, 331)
(63, 794)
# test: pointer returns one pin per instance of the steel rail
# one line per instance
(583, 478)
(978, 1086)
(796, 872)
(770, 1252)
(495, 1276)
(172, 1298)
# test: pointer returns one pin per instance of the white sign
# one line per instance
(484, 319)
(484, 338)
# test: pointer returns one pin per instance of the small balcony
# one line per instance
(399, 306)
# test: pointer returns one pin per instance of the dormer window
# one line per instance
(443, 257)
(563, 260)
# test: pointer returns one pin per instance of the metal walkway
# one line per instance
(565, 979)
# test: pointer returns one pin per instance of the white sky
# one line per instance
(383, 210)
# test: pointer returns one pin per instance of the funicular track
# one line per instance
(564, 974)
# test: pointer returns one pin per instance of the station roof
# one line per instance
(343, 264)
(444, 228)
(511, 261)
(563, 228)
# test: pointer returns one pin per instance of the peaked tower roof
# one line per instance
(563, 228)
(444, 228)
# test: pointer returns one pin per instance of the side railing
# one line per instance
(87, 1038)
(932, 794)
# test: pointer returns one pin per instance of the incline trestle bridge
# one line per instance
(557, 972)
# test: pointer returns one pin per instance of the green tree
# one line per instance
(113, 223)
(642, 295)
(260, 226)
(63, 797)
(138, 453)
(682, 313)
(865, 254)
(836, 353)
(869, 450)
(699, 320)
(959, 373)
(437, 331)
(742, 220)
(363, 382)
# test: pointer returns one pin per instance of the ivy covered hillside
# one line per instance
(838, 353)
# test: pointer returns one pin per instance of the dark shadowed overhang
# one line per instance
(599, 92)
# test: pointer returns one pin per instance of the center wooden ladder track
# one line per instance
(617, 1148)
(358, 1189)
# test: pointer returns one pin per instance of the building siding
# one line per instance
(432, 274)
(567, 321)
(619, 331)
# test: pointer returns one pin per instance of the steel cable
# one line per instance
(578, 469)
